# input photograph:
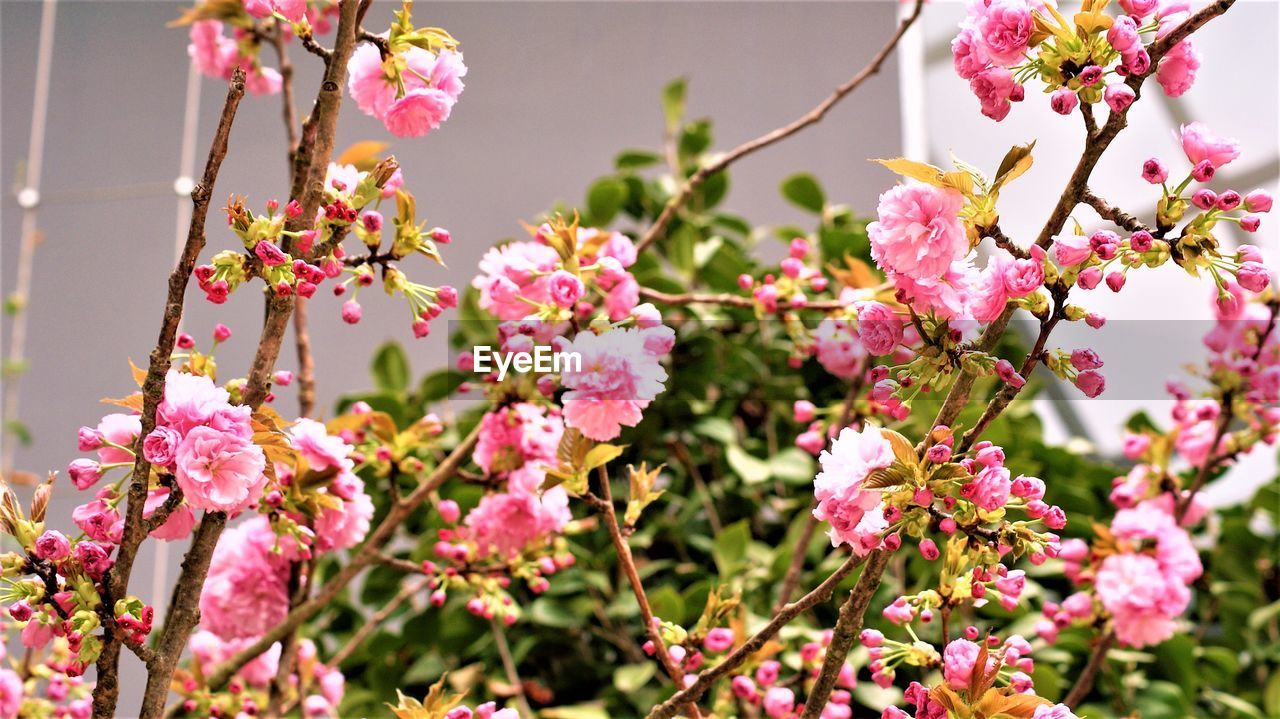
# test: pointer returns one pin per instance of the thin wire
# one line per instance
(186, 166)
(30, 229)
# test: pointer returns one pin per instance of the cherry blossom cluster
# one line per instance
(251, 24)
(409, 78)
(1003, 44)
(797, 276)
(545, 288)
(49, 684)
(320, 686)
(351, 202)
(767, 685)
(1136, 575)
(872, 489)
(980, 677)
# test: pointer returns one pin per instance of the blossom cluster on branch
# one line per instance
(886, 337)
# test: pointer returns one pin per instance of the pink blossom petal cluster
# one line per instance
(619, 375)
(842, 501)
(411, 92)
(518, 434)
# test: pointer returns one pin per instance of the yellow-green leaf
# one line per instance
(921, 171)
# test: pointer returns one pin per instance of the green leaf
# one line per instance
(667, 604)
(673, 102)
(803, 191)
(1271, 695)
(792, 465)
(604, 198)
(636, 159)
(680, 248)
(630, 677)
(390, 368)
(731, 546)
(438, 385)
(752, 469)
(717, 429)
(600, 455)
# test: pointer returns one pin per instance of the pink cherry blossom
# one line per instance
(918, 233)
(1202, 145)
(246, 591)
(617, 379)
(219, 471)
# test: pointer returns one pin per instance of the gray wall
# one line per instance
(554, 90)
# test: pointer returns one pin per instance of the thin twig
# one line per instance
(116, 582)
(848, 624)
(707, 677)
(376, 619)
(1107, 211)
(1084, 683)
(682, 196)
(509, 666)
(730, 300)
(628, 565)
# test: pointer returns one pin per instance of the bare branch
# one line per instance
(682, 196)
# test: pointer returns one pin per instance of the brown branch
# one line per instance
(1107, 211)
(183, 613)
(628, 565)
(1008, 392)
(848, 624)
(707, 677)
(306, 361)
(116, 582)
(509, 666)
(368, 553)
(1003, 242)
(1095, 144)
(704, 172)
(376, 619)
(1084, 683)
(796, 567)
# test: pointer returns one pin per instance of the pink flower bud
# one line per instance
(185, 341)
(89, 439)
(1089, 278)
(1229, 200)
(84, 473)
(1154, 171)
(1118, 97)
(1253, 276)
(1091, 382)
(1010, 376)
(1115, 281)
(1204, 198)
(803, 411)
(928, 549)
(1258, 201)
(351, 311)
(221, 333)
(441, 236)
(1203, 171)
(1064, 101)
(1250, 223)
(449, 511)
(1141, 241)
